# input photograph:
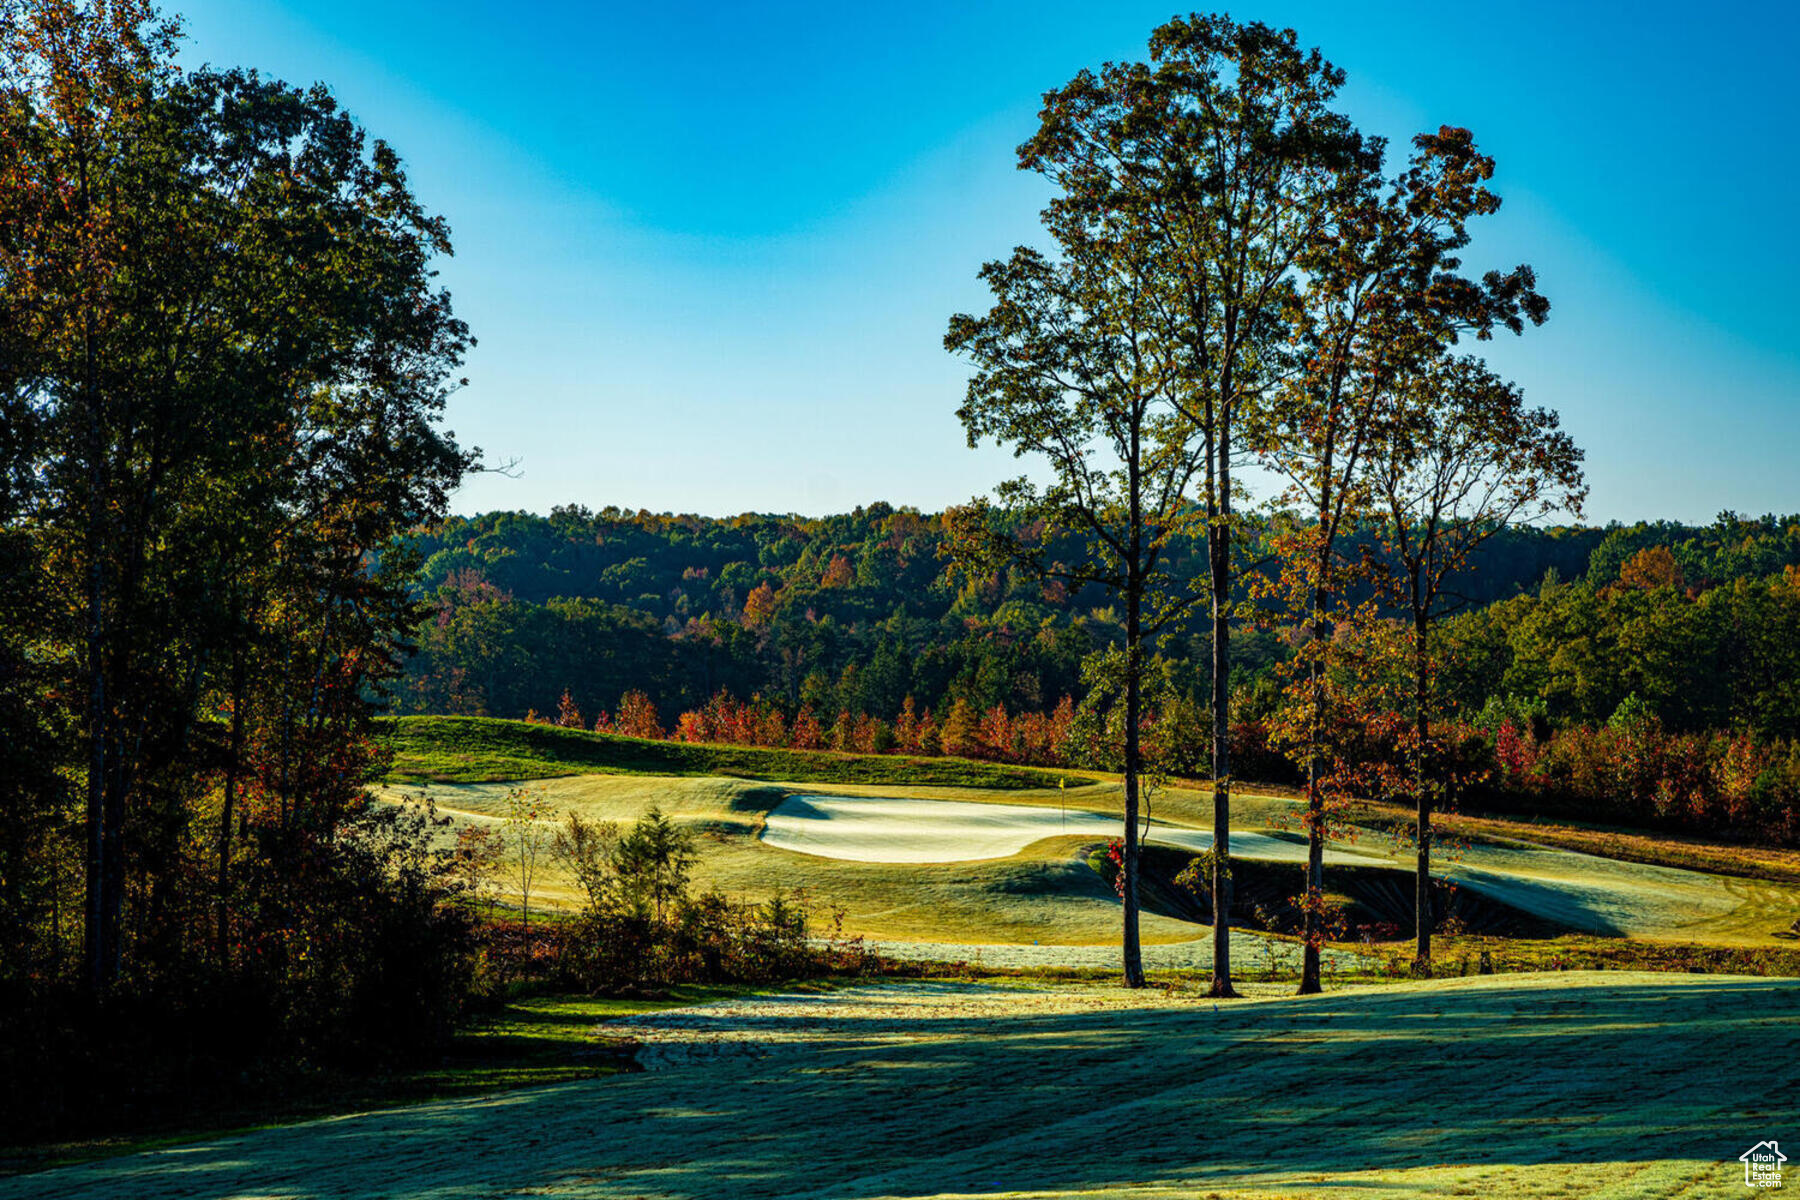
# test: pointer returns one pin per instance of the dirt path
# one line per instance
(1601, 1084)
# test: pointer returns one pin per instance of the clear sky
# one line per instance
(709, 250)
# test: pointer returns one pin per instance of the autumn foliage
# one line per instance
(1639, 773)
(996, 735)
(1630, 772)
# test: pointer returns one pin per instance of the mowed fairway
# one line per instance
(1578, 1085)
(1005, 867)
(1045, 893)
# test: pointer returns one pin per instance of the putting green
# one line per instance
(1539, 1086)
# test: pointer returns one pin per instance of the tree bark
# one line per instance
(1315, 882)
(1133, 955)
(101, 918)
(1421, 785)
(97, 943)
(1315, 817)
(1219, 555)
(228, 808)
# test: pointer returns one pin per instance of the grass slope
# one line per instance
(1046, 893)
(530, 1041)
(484, 749)
(1773, 863)
(1535, 1087)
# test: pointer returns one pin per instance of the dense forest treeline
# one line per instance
(224, 359)
(859, 612)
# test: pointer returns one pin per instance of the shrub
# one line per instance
(641, 929)
(353, 950)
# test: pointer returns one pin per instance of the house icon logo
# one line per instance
(1762, 1164)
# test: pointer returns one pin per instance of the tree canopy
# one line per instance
(227, 366)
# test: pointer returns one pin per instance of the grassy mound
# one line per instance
(1376, 900)
(483, 749)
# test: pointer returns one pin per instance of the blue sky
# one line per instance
(709, 250)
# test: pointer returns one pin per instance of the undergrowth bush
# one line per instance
(641, 928)
(351, 952)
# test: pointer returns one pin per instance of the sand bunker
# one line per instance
(1584, 892)
(865, 829)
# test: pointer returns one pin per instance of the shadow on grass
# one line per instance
(1497, 1075)
(1557, 902)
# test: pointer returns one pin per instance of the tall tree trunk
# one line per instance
(1218, 548)
(114, 823)
(1421, 786)
(228, 809)
(1219, 556)
(96, 943)
(1134, 765)
(1315, 822)
(100, 934)
(1315, 881)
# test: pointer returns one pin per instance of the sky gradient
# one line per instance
(709, 252)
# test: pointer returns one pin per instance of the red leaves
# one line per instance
(1115, 856)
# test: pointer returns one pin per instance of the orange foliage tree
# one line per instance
(637, 717)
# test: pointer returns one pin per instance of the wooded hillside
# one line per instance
(859, 611)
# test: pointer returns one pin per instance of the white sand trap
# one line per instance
(866, 829)
(1597, 895)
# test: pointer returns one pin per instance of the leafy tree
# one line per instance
(1070, 371)
(588, 850)
(808, 733)
(1459, 458)
(1651, 567)
(653, 861)
(232, 364)
(957, 738)
(1381, 296)
(526, 819)
(637, 716)
(476, 861)
(759, 606)
(838, 573)
(1213, 162)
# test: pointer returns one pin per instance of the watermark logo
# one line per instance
(1762, 1165)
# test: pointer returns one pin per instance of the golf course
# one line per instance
(1009, 866)
(1006, 1062)
(1003, 601)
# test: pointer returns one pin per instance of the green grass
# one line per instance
(1772, 863)
(1048, 894)
(1460, 955)
(483, 750)
(1539, 1087)
(1597, 882)
(529, 1042)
